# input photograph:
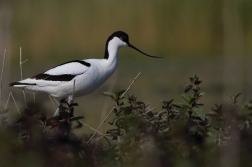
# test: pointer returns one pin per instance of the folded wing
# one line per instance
(61, 73)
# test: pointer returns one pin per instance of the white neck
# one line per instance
(111, 61)
(113, 48)
(112, 51)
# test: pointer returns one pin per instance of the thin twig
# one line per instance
(112, 109)
(1, 79)
(73, 90)
(103, 135)
(7, 101)
(15, 104)
(130, 85)
(25, 98)
(99, 138)
(21, 72)
(90, 127)
(55, 100)
(24, 61)
(150, 110)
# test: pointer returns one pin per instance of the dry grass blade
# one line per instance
(15, 103)
(7, 101)
(73, 90)
(25, 98)
(1, 79)
(52, 101)
(112, 110)
(55, 100)
(90, 127)
(10, 95)
(151, 110)
(21, 73)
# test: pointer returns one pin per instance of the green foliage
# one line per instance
(116, 95)
(181, 134)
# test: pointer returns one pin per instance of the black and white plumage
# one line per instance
(88, 74)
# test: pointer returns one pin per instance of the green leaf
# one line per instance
(218, 108)
(115, 97)
(127, 110)
(114, 133)
(248, 105)
(115, 111)
(115, 119)
(191, 80)
(124, 101)
(187, 88)
(120, 92)
(201, 94)
(167, 104)
(177, 105)
(184, 109)
(197, 82)
(236, 96)
(110, 94)
(189, 98)
(170, 101)
(119, 122)
(200, 113)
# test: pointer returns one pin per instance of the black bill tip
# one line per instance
(133, 47)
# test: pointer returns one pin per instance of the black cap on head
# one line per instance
(122, 35)
(125, 38)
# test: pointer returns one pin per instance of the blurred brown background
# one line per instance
(212, 39)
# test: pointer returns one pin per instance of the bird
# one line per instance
(86, 75)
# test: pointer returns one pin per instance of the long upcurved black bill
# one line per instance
(133, 47)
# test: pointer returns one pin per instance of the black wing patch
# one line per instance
(64, 77)
(18, 83)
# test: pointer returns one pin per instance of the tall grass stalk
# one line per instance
(1, 79)
(11, 95)
(21, 73)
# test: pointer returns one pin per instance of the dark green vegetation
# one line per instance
(181, 134)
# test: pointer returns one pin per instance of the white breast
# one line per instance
(100, 70)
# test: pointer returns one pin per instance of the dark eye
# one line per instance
(122, 37)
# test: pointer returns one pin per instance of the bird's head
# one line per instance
(120, 39)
